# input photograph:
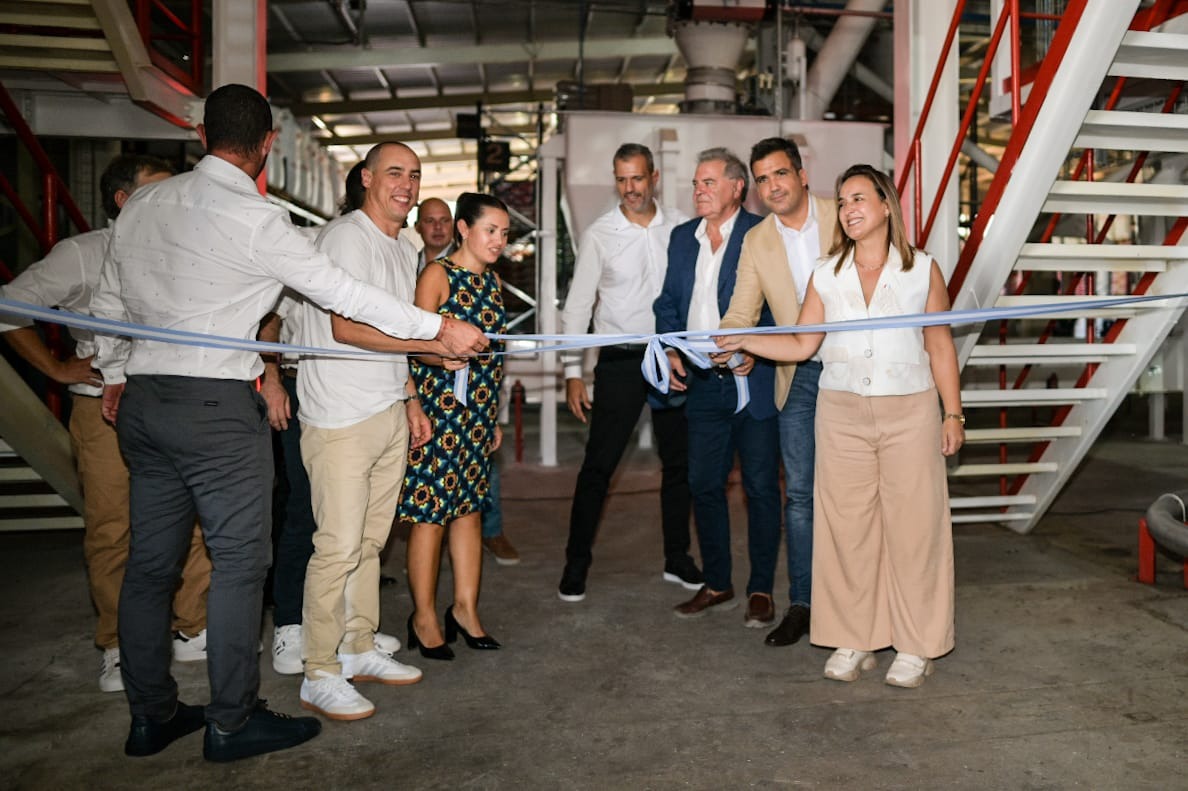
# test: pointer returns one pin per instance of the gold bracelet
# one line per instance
(958, 416)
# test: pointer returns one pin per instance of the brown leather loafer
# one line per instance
(794, 626)
(704, 601)
(760, 611)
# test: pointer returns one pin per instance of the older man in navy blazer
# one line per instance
(702, 263)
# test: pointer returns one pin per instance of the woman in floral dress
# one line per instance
(446, 484)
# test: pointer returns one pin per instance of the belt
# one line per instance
(289, 372)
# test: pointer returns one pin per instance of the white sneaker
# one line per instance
(386, 643)
(189, 649)
(286, 649)
(334, 698)
(846, 664)
(374, 666)
(908, 670)
(110, 679)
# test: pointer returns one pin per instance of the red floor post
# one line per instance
(518, 417)
(1146, 554)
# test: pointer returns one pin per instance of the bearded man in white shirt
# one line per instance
(67, 278)
(356, 417)
(205, 253)
(619, 271)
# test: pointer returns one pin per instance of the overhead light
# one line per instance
(320, 124)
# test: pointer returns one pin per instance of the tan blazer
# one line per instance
(764, 274)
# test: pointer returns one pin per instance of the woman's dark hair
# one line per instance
(353, 199)
(470, 207)
(897, 236)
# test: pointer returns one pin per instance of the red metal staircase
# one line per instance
(1090, 102)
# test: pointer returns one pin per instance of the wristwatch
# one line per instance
(958, 416)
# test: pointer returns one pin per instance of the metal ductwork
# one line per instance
(712, 51)
(837, 55)
(711, 35)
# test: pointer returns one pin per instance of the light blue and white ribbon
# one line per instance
(696, 346)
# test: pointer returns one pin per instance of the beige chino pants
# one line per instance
(104, 481)
(355, 475)
(882, 535)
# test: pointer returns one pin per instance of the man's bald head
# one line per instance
(435, 226)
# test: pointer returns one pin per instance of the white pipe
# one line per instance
(837, 56)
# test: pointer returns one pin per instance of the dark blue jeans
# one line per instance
(493, 512)
(798, 447)
(294, 543)
(715, 434)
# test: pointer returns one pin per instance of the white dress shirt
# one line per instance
(703, 307)
(66, 278)
(340, 392)
(618, 275)
(205, 252)
(802, 248)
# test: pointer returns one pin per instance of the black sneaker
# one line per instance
(573, 585)
(684, 572)
(264, 732)
(148, 737)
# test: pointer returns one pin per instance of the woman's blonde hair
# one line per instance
(897, 236)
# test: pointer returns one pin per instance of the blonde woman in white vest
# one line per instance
(882, 537)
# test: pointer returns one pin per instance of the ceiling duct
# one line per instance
(712, 51)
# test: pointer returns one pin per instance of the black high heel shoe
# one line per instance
(452, 629)
(443, 651)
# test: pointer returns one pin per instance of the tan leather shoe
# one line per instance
(505, 554)
(704, 601)
(760, 611)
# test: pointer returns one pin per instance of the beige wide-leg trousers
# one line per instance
(882, 536)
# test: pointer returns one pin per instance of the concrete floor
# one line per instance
(1067, 673)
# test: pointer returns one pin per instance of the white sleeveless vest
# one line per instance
(870, 362)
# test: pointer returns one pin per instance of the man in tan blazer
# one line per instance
(778, 257)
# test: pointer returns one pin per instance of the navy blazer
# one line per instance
(672, 306)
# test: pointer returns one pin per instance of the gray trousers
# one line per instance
(195, 447)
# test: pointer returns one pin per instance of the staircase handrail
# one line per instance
(911, 166)
(190, 32)
(57, 193)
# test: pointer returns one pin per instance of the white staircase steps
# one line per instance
(25, 44)
(1048, 353)
(1074, 306)
(1157, 56)
(1000, 469)
(1030, 396)
(986, 509)
(1048, 430)
(1104, 197)
(1037, 257)
(27, 502)
(1134, 131)
(1019, 434)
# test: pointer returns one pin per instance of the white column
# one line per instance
(238, 43)
(547, 174)
(920, 28)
